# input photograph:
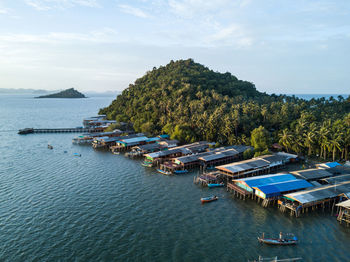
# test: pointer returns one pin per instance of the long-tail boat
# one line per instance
(281, 240)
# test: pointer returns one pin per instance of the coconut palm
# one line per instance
(323, 137)
(334, 144)
(285, 139)
(309, 140)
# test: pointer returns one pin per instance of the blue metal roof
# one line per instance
(153, 139)
(135, 139)
(283, 187)
(332, 164)
(266, 179)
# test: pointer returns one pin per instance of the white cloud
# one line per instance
(133, 11)
(231, 35)
(3, 11)
(45, 5)
(244, 3)
(190, 8)
(99, 36)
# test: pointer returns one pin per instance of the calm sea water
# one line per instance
(104, 207)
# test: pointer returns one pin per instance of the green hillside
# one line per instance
(191, 102)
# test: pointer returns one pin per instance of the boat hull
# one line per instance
(164, 172)
(215, 185)
(181, 171)
(276, 241)
(208, 199)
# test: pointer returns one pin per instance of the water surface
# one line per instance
(103, 207)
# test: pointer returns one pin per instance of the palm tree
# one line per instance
(334, 144)
(264, 112)
(285, 139)
(323, 137)
(346, 143)
(325, 146)
(309, 140)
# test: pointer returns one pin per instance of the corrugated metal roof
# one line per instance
(285, 186)
(219, 155)
(312, 174)
(192, 158)
(184, 151)
(241, 148)
(337, 179)
(258, 163)
(273, 158)
(339, 170)
(135, 139)
(150, 146)
(153, 139)
(345, 204)
(266, 179)
(319, 193)
(332, 164)
(287, 156)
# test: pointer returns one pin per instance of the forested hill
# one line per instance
(191, 102)
(68, 93)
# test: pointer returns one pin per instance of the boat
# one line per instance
(164, 172)
(49, 146)
(116, 153)
(209, 199)
(211, 185)
(181, 171)
(281, 240)
(76, 154)
(146, 165)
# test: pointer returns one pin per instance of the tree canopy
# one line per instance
(191, 102)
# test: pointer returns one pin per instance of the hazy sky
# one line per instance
(282, 46)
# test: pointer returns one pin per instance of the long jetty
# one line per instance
(58, 130)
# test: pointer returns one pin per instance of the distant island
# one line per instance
(68, 93)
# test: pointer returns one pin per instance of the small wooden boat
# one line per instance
(116, 153)
(49, 146)
(164, 172)
(181, 171)
(211, 185)
(209, 199)
(282, 241)
(76, 154)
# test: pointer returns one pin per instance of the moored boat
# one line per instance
(211, 185)
(164, 172)
(209, 199)
(181, 171)
(147, 164)
(282, 241)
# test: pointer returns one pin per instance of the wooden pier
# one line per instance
(238, 191)
(58, 130)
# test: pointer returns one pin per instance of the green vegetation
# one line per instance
(192, 103)
(68, 93)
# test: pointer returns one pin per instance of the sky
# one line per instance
(282, 46)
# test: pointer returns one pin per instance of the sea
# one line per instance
(56, 206)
